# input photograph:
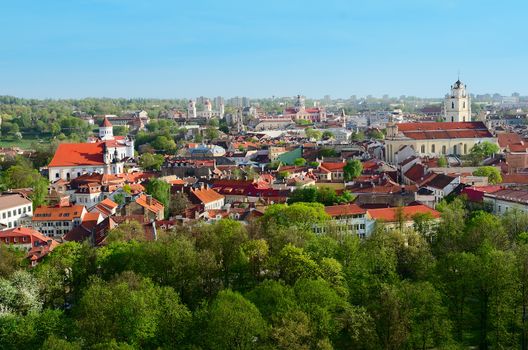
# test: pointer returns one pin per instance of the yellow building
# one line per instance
(435, 139)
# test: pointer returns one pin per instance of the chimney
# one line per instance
(149, 199)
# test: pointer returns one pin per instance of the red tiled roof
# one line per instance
(74, 154)
(416, 173)
(58, 213)
(443, 130)
(515, 179)
(333, 166)
(389, 214)
(108, 203)
(509, 138)
(155, 205)
(106, 122)
(346, 209)
(207, 195)
(20, 232)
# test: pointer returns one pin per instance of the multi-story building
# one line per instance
(435, 139)
(15, 210)
(57, 221)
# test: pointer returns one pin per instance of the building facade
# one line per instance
(457, 104)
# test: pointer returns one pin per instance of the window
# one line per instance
(455, 149)
(24, 210)
(9, 214)
(423, 149)
(19, 211)
(452, 105)
(433, 149)
(3, 215)
(56, 175)
(444, 149)
(465, 148)
(464, 104)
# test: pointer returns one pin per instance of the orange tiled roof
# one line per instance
(333, 166)
(155, 205)
(58, 213)
(207, 195)
(346, 209)
(74, 154)
(389, 214)
(108, 203)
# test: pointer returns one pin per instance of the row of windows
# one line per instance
(453, 105)
(9, 213)
(456, 150)
(15, 239)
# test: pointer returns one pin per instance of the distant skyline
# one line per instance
(177, 49)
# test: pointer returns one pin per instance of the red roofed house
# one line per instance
(147, 206)
(331, 171)
(390, 217)
(58, 221)
(207, 197)
(433, 139)
(33, 242)
(346, 218)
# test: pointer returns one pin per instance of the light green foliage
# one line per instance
(149, 161)
(160, 190)
(299, 162)
(232, 321)
(313, 134)
(324, 195)
(492, 173)
(352, 169)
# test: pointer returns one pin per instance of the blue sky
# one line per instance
(260, 48)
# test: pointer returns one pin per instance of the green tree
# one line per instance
(299, 162)
(492, 173)
(160, 190)
(352, 169)
(233, 322)
(442, 162)
(131, 309)
(149, 161)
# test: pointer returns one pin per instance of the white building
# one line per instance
(506, 200)
(191, 109)
(457, 104)
(15, 210)
(104, 155)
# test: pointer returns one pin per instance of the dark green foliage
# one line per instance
(275, 284)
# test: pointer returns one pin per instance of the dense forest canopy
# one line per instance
(274, 284)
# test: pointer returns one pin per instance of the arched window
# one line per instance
(465, 148)
(452, 119)
(433, 148)
(454, 149)
(464, 104)
(423, 148)
(444, 149)
(452, 105)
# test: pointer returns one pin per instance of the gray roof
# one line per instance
(12, 200)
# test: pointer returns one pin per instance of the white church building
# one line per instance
(103, 154)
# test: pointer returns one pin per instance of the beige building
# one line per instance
(435, 139)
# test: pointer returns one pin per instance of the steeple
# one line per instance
(106, 130)
(457, 104)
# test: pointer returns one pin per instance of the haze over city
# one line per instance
(114, 48)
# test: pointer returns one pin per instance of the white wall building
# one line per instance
(15, 210)
(457, 104)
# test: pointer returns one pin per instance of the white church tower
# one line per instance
(106, 131)
(457, 105)
(191, 109)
